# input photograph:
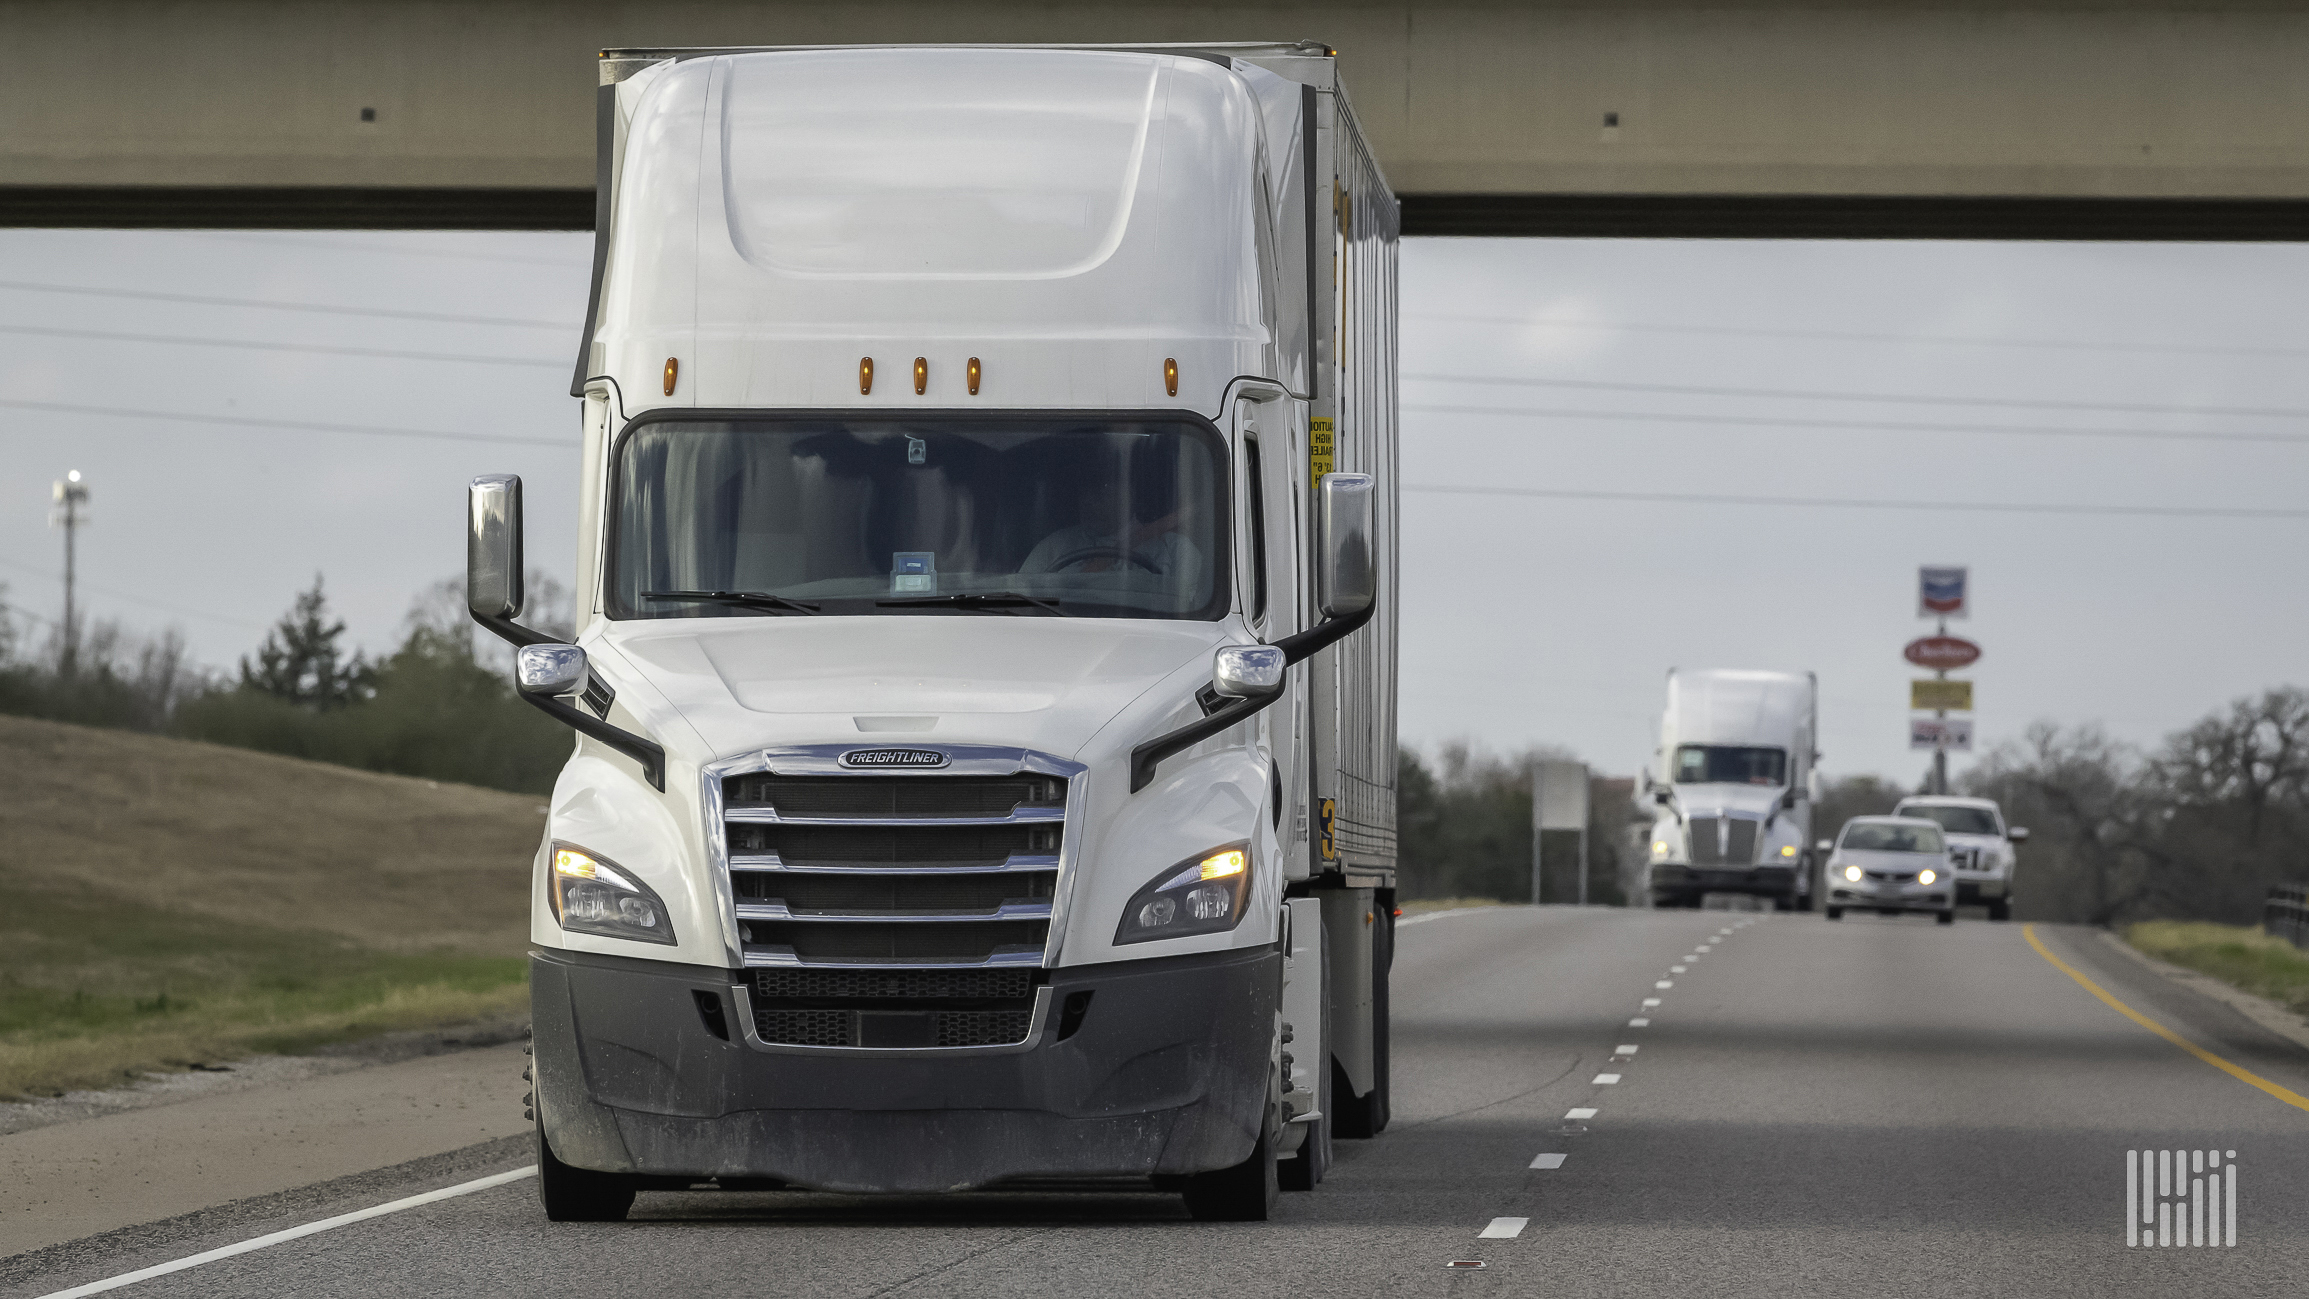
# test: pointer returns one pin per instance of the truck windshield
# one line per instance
(1879, 837)
(1956, 820)
(1010, 517)
(1716, 764)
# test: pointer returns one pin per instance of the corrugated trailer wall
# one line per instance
(1360, 708)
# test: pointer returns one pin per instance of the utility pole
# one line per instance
(1940, 750)
(71, 499)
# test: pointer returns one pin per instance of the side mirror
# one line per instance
(1663, 795)
(2018, 834)
(493, 547)
(550, 670)
(1247, 671)
(1825, 845)
(1347, 576)
(1788, 800)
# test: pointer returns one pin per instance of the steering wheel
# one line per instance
(1089, 553)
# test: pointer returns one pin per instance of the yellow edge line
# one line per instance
(2292, 1098)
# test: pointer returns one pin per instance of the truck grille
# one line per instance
(1736, 845)
(878, 869)
(894, 1008)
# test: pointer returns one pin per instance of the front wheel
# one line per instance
(1247, 1192)
(1945, 918)
(1834, 913)
(579, 1194)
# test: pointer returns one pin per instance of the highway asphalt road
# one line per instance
(1874, 1106)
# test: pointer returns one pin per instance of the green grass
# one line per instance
(95, 991)
(2237, 955)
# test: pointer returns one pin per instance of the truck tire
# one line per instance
(1834, 913)
(1247, 1192)
(579, 1194)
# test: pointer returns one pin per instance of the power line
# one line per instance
(207, 301)
(2000, 507)
(1950, 340)
(44, 331)
(301, 426)
(1893, 426)
(2136, 408)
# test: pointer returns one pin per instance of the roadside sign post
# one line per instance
(1558, 802)
(1942, 592)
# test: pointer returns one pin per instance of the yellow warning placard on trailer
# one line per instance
(1953, 696)
(1322, 451)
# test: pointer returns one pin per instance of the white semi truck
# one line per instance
(1733, 785)
(985, 674)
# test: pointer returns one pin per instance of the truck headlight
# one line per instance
(1203, 895)
(1787, 850)
(1661, 848)
(593, 896)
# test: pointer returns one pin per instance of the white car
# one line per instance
(1891, 865)
(1980, 846)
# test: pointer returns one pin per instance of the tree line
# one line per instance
(440, 705)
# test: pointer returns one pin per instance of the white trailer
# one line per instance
(1733, 784)
(985, 668)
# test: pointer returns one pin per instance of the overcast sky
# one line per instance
(1525, 620)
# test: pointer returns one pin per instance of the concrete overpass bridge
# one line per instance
(2142, 119)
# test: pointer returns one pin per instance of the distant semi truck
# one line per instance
(1731, 789)
(985, 667)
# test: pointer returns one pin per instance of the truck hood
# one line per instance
(1034, 682)
(1715, 800)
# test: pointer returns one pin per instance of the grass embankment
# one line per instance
(165, 903)
(2242, 957)
(1448, 904)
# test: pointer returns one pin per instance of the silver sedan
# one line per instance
(1890, 865)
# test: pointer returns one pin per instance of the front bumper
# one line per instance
(1165, 1071)
(1892, 899)
(1670, 881)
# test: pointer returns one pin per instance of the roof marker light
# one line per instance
(865, 376)
(921, 376)
(672, 368)
(1171, 375)
(973, 374)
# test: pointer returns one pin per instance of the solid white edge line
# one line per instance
(1425, 916)
(1503, 1229)
(293, 1233)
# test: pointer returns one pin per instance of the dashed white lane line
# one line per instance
(1504, 1229)
(1547, 1161)
(1583, 1112)
(1651, 1001)
(1677, 969)
(1624, 1048)
(1665, 983)
(293, 1233)
(1606, 1079)
(1640, 1022)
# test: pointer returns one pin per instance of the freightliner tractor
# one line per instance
(1732, 788)
(985, 677)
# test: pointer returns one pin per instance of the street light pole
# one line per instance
(71, 495)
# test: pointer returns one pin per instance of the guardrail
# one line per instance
(2286, 913)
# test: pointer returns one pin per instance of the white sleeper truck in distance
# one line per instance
(1733, 786)
(984, 678)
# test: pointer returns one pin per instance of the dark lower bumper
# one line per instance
(1167, 1072)
(1691, 883)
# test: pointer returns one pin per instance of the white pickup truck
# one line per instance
(1980, 847)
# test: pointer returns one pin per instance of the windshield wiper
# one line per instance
(979, 600)
(741, 599)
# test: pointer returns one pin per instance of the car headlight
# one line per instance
(1926, 876)
(593, 896)
(1852, 873)
(1202, 895)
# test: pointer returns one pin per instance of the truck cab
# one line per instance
(1982, 849)
(1731, 789)
(984, 677)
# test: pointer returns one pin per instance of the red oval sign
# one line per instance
(1940, 653)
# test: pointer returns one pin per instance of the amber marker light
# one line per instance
(865, 376)
(1220, 865)
(973, 375)
(672, 370)
(921, 376)
(1171, 375)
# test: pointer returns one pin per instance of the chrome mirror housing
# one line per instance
(550, 670)
(2018, 834)
(1347, 576)
(493, 547)
(1247, 671)
(1825, 845)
